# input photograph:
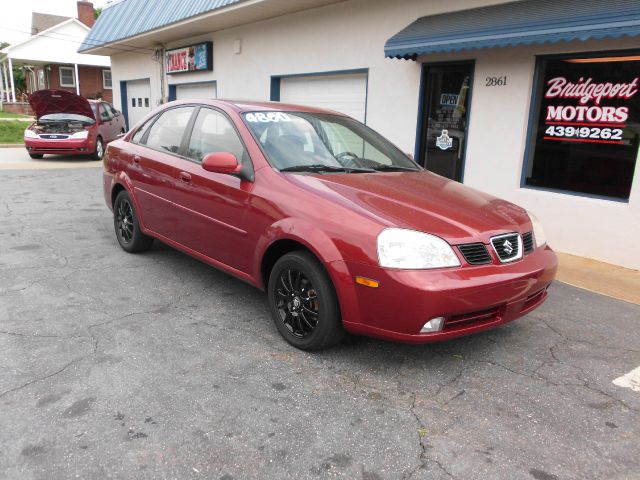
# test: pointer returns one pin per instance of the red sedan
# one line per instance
(342, 229)
(69, 124)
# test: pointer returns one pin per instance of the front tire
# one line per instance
(303, 303)
(36, 156)
(99, 152)
(127, 226)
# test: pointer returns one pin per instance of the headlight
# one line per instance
(538, 232)
(82, 134)
(408, 249)
(30, 134)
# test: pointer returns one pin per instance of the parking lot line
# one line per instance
(630, 380)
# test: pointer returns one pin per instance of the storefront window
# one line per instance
(586, 125)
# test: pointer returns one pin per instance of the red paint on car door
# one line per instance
(214, 207)
(152, 170)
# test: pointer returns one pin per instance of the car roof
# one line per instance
(242, 106)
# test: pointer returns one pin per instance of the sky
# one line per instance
(15, 20)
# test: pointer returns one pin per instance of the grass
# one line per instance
(12, 115)
(12, 131)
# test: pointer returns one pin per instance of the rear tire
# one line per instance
(99, 152)
(36, 156)
(303, 302)
(127, 226)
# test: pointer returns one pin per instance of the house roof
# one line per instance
(44, 21)
(58, 44)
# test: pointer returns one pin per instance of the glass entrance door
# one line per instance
(445, 118)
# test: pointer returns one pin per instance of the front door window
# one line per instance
(447, 92)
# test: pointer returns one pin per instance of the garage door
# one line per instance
(192, 91)
(344, 93)
(139, 99)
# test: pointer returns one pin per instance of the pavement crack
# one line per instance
(30, 335)
(40, 379)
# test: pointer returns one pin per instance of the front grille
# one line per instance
(508, 247)
(475, 253)
(527, 242)
(54, 136)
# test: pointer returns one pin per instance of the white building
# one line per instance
(475, 99)
(50, 59)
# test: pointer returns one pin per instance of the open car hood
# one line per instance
(46, 102)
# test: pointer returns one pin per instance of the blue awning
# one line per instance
(526, 22)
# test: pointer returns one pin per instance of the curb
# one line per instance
(11, 145)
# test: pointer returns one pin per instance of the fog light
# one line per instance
(433, 325)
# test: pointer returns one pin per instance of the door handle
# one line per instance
(136, 159)
(185, 177)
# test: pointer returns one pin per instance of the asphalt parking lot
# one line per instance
(157, 366)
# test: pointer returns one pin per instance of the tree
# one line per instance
(96, 12)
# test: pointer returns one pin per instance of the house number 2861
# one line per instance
(496, 81)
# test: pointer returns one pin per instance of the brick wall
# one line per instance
(22, 108)
(90, 82)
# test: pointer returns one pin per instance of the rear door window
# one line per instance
(166, 133)
(105, 114)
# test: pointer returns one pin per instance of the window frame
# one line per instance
(537, 91)
(104, 83)
(73, 76)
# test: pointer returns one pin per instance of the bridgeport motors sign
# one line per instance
(583, 114)
(193, 58)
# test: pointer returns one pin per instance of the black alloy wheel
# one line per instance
(127, 227)
(303, 302)
(297, 303)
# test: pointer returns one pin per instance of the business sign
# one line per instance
(449, 99)
(586, 110)
(194, 58)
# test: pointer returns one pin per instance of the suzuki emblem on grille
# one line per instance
(508, 247)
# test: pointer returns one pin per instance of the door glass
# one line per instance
(448, 89)
(166, 133)
(213, 133)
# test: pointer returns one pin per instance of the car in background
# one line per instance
(69, 124)
(342, 229)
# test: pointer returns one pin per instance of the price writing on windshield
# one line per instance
(267, 117)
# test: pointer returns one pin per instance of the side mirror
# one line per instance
(221, 162)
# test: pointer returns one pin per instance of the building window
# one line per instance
(584, 137)
(67, 77)
(106, 79)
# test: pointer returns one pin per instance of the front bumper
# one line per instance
(471, 299)
(62, 147)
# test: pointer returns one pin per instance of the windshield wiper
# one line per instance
(324, 168)
(394, 168)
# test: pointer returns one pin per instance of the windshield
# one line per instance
(297, 141)
(65, 117)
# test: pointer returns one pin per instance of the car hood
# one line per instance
(422, 201)
(46, 102)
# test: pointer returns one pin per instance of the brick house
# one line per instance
(50, 59)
